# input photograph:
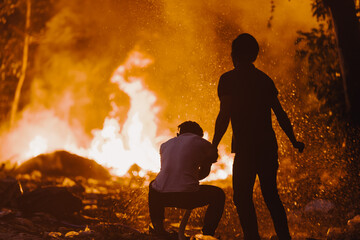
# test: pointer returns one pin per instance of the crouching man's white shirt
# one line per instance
(181, 158)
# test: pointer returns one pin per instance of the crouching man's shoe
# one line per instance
(205, 237)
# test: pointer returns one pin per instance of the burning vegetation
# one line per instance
(106, 82)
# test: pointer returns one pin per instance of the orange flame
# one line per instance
(136, 142)
(114, 146)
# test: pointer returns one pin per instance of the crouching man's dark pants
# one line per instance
(206, 195)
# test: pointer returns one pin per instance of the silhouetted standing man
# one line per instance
(247, 96)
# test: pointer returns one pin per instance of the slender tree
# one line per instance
(10, 54)
(24, 63)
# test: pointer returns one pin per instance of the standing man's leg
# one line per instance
(267, 177)
(244, 175)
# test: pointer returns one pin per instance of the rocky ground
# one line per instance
(118, 210)
(35, 205)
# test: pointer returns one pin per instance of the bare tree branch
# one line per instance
(24, 64)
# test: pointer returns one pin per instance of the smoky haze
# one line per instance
(188, 40)
(189, 44)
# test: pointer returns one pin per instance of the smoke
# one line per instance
(188, 40)
(38, 132)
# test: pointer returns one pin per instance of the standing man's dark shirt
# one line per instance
(252, 93)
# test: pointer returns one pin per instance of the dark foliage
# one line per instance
(320, 10)
(317, 54)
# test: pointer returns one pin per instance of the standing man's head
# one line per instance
(245, 49)
(190, 127)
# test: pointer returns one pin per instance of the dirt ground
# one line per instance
(117, 209)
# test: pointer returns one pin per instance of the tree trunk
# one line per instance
(15, 104)
(348, 40)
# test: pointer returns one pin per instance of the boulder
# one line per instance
(10, 191)
(57, 201)
(62, 163)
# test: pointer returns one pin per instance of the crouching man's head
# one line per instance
(190, 127)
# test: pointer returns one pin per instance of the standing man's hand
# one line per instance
(213, 153)
(211, 156)
(299, 145)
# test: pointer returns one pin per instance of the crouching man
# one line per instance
(185, 160)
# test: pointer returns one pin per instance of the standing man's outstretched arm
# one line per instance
(222, 120)
(285, 124)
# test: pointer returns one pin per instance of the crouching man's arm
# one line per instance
(205, 167)
(204, 170)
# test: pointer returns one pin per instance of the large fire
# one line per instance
(117, 146)
(179, 59)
